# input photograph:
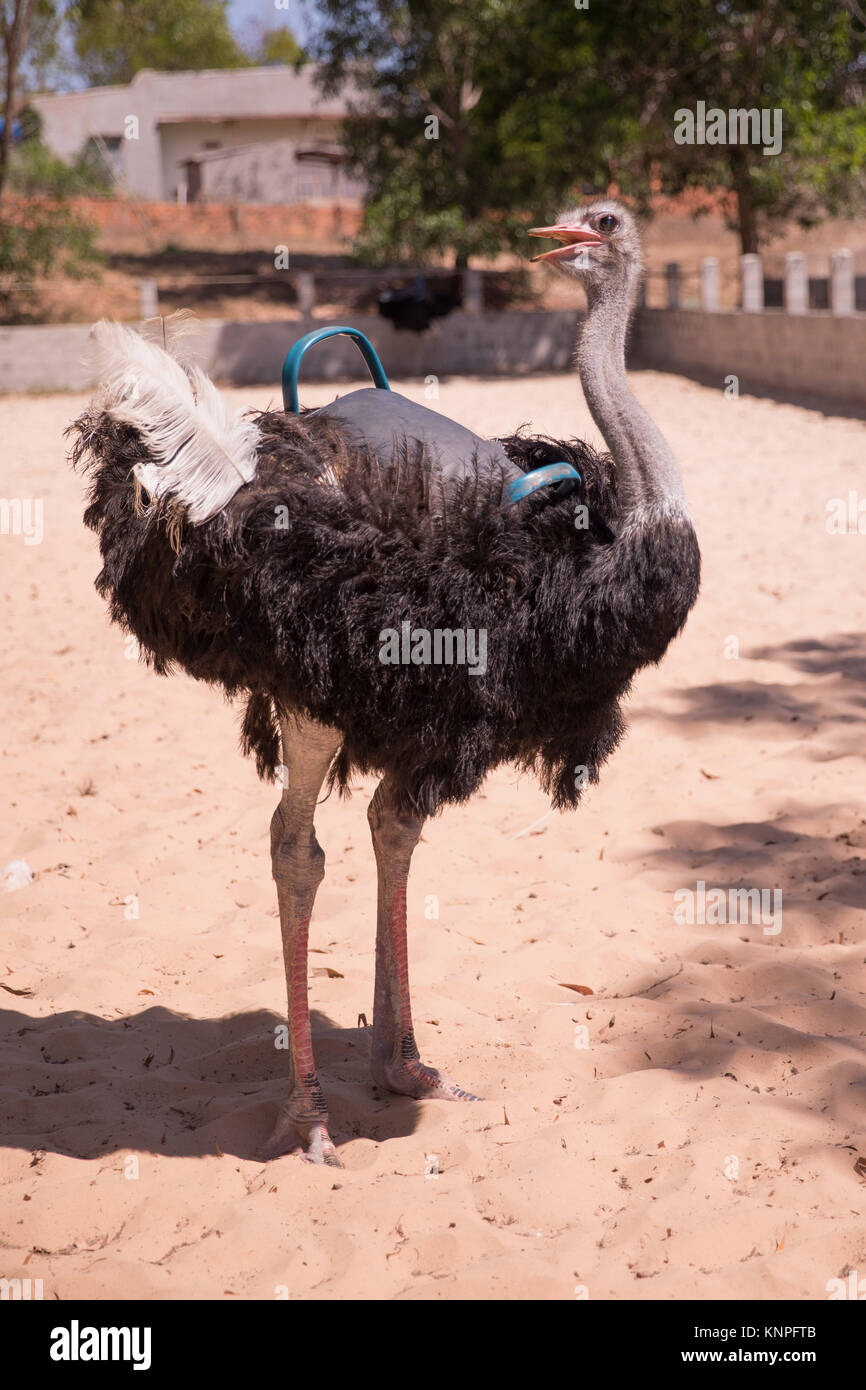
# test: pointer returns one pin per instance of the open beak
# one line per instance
(569, 236)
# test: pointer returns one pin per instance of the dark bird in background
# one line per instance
(412, 309)
(268, 555)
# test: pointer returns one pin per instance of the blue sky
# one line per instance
(241, 14)
(242, 11)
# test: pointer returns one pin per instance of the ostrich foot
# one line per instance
(308, 1138)
(410, 1077)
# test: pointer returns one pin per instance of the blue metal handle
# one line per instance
(293, 362)
(538, 477)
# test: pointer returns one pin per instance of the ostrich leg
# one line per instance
(396, 1063)
(299, 867)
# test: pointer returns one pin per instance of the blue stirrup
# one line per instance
(562, 473)
(293, 362)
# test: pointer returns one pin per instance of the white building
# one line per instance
(173, 135)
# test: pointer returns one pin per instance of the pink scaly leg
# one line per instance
(396, 1063)
(299, 867)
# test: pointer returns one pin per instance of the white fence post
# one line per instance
(752, 278)
(796, 283)
(148, 298)
(306, 287)
(672, 273)
(842, 298)
(710, 295)
(473, 292)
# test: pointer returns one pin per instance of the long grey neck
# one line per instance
(647, 473)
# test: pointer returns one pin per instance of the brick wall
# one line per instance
(130, 225)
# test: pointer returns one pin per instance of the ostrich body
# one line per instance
(574, 593)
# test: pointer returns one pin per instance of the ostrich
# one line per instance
(270, 554)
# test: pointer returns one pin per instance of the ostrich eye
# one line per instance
(607, 222)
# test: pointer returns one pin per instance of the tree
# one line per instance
(45, 237)
(39, 232)
(619, 78)
(415, 134)
(37, 172)
(537, 103)
(114, 39)
(28, 43)
(16, 19)
(272, 47)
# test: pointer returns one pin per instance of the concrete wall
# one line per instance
(54, 358)
(270, 172)
(242, 143)
(813, 354)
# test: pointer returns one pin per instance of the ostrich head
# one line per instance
(600, 244)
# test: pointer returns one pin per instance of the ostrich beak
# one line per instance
(569, 236)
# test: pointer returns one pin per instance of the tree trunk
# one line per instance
(747, 221)
(8, 108)
(15, 35)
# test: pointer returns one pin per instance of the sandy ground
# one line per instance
(702, 1143)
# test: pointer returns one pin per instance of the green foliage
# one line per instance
(426, 153)
(399, 227)
(36, 171)
(276, 46)
(39, 238)
(42, 49)
(114, 39)
(539, 103)
(41, 235)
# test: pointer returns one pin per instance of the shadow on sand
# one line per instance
(80, 1085)
(83, 1086)
(804, 848)
(839, 701)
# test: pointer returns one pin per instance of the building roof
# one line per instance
(214, 94)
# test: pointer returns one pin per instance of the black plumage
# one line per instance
(273, 561)
(283, 595)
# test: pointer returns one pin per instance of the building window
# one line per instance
(107, 150)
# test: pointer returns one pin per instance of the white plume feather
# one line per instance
(202, 451)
